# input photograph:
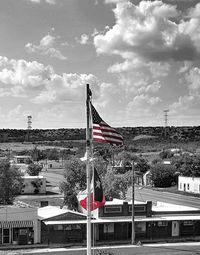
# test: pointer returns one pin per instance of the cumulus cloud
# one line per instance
(149, 30)
(22, 78)
(46, 47)
(193, 80)
(17, 76)
(151, 88)
(67, 87)
(83, 39)
(190, 102)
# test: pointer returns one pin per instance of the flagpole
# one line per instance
(133, 207)
(88, 155)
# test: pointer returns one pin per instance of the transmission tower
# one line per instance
(166, 121)
(29, 122)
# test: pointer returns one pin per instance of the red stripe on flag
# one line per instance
(93, 204)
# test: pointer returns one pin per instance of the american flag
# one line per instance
(102, 132)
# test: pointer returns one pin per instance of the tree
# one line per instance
(116, 185)
(166, 154)
(34, 169)
(74, 181)
(53, 154)
(10, 182)
(125, 159)
(163, 175)
(141, 165)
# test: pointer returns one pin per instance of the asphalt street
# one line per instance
(54, 177)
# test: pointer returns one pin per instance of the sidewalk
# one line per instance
(67, 246)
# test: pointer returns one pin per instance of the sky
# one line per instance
(140, 58)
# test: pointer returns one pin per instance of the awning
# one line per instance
(16, 224)
(128, 220)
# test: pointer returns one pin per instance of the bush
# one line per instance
(163, 175)
(34, 169)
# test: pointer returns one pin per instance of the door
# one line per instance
(184, 187)
(6, 235)
(175, 228)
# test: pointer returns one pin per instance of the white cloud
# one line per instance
(151, 88)
(83, 39)
(46, 47)
(141, 100)
(156, 69)
(67, 87)
(22, 78)
(187, 65)
(193, 80)
(148, 31)
(23, 73)
(190, 102)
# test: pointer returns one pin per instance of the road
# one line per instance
(54, 177)
(150, 249)
(153, 195)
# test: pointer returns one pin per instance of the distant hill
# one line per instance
(186, 133)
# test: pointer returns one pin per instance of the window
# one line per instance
(72, 227)
(188, 186)
(180, 185)
(108, 228)
(58, 227)
(113, 209)
(162, 223)
(76, 226)
(138, 208)
(67, 227)
(140, 227)
(188, 223)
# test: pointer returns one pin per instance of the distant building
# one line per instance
(52, 164)
(33, 185)
(21, 162)
(189, 184)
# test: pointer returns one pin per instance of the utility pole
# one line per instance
(133, 209)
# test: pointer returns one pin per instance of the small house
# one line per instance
(189, 184)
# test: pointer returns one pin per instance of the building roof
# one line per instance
(116, 201)
(53, 211)
(166, 207)
(23, 156)
(33, 177)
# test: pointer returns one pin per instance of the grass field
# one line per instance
(25, 146)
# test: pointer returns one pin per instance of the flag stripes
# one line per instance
(102, 132)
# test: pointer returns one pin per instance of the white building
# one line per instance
(21, 162)
(33, 185)
(189, 184)
(52, 164)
